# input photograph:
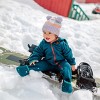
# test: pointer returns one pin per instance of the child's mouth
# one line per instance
(47, 38)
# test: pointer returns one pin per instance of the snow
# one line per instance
(21, 24)
(1, 51)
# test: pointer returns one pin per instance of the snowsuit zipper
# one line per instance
(54, 56)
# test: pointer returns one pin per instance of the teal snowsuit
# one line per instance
(57, 57)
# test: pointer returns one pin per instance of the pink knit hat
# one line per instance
(53, 25)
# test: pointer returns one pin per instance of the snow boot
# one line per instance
(23, 70)
(67, 87)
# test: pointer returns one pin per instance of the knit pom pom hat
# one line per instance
(53, 25)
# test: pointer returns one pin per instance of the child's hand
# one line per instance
(33, 62)
(73, 68)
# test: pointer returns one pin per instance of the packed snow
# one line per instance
(21, 23)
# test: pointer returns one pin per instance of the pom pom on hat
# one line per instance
(48, 17)
(59, 19)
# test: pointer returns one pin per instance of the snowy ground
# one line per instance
(20, 24)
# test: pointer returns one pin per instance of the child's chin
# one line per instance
(48, 41)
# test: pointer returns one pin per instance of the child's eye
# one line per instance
(44, 32)
(50, 33)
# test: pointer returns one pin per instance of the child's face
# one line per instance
(49, 37)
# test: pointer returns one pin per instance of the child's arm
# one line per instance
(37, 54)
(67, 52)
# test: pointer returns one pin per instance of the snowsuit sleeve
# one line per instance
(37, 53)
(67, 52)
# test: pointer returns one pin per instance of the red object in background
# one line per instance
(96, 10)
(88, 1)
(92, 1)
(61, 7)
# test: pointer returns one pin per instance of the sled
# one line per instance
(56, 83)
(9, 57)
(13, 58)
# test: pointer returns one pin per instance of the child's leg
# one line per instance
(39, 66)
(67, 76)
